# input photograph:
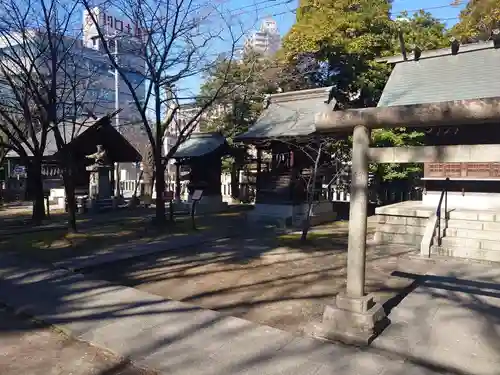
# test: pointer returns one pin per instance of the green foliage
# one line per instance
(422, 30)
(477, 21)
(331, 44)
(346, 38)
(399, 137)
(244, 84)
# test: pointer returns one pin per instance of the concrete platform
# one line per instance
(450, 320)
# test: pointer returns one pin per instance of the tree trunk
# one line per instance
(311, 190)
(136, 184)
(235, 181)
(306, 224)
(35, 186)
(69, 189)
(148, 176)
(160, 187)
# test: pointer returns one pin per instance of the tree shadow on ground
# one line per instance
(178, 338)
(256, 278)
(113, 235)
(449, 318)
(126, 367)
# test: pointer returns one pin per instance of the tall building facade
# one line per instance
(123, 39)
(266, 41)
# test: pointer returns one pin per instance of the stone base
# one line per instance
(99, 205)
(352, 320)
(207, 205)
(292, 216)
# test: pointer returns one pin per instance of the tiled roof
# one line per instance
(473, 73)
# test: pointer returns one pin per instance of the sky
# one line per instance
(250, 14)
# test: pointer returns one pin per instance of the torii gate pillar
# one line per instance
(355, 317)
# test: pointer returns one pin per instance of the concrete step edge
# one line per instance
(473, 234)
(471, 254)
(490, 218)
(471, 243)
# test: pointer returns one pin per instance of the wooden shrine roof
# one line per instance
(82, 137)
(289, 114)
(200, 144)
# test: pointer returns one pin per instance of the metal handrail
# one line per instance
(444, 194)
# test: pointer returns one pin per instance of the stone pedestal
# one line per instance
(352, 320)
(100, 182)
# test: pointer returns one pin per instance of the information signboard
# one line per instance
(197, 195)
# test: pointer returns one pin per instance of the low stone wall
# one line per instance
(402, 223)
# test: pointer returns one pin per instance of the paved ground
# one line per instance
(449, 325)
(257, 279)
(452, 319)
(29, 348)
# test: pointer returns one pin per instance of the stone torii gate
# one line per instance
(355, 317)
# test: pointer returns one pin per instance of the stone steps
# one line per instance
(474, 225)
(464, 252)
(471, 234)
(471, 243)
(487, 216)
(475, 234)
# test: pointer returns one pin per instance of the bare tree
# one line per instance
(329, 162)
(318, 163)
(174, 40)
(45, 81)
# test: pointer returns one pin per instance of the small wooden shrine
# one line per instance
(81, 139)
(201, 154)
(283, 136)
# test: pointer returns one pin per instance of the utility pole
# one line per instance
(117, 108)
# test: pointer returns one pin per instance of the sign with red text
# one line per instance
(112, 24)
